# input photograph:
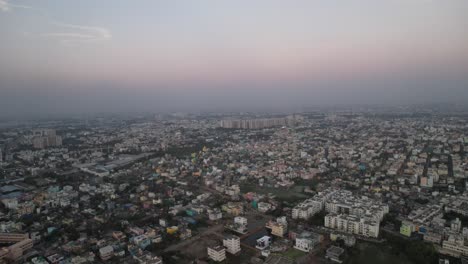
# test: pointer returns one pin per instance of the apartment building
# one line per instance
(217, 253)
(232, 244)
(353, 224)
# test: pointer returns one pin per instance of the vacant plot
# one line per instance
(294, 254)
(286, 194)
(366, 253)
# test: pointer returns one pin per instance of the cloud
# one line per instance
(70, 33)
(79, 34)
(6, 6)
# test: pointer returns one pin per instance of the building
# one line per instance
(344, 202)
(217, 253)
(232, 244)
(239, 225)
(456, 244)
(263, 242)
(7, 238)
(352, 224)
(306, 241)
(257, 123)
(279, 227)
(43, 138)
(106, 253)
(349, 240)
(335, 254)
(407, 228)
(147, 259)
(240, 220)
(214, 214)
(427, 182)
(312, 206)
(20, 244)
(433, 237)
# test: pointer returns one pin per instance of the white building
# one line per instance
(232, 244)
(312, 206)
(215, 214)
(263, 242)
(456, 244)
(264, 207)
(240, 220)
(106, 252)
(353, 224)
(217, 253)
(306, 241)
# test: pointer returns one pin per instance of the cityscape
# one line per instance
(234, 132)
(312, 187)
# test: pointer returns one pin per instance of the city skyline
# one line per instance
(117, 56)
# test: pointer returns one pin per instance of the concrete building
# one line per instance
(352, 224)
(232, 244)
(456, 244)
(407, 228)
(263, 242)
(312, 206)
(335, 254)
(13, 253)
(6, 238)
(343, 202)
(427, 182)
(256, 123)
(43, 138)
(306, 241)
(106, 253)
(214, 214)
(240, 220)
(279, 227)
(217, 253)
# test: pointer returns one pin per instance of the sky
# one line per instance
(153, 55)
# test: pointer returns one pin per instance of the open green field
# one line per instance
(293, 253)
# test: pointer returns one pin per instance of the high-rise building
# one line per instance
(258, 123)
(44, 138)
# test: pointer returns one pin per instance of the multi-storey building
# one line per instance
(21, 243)
(312, 206)
(232, 244)
(217, 253)
(352, 224)
(306, 241)
(257, 123)
(106, 252)
(456, 244)
(278, 227)
(343, 202)
(44, 138)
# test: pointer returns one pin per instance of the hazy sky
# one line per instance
(73, 56)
